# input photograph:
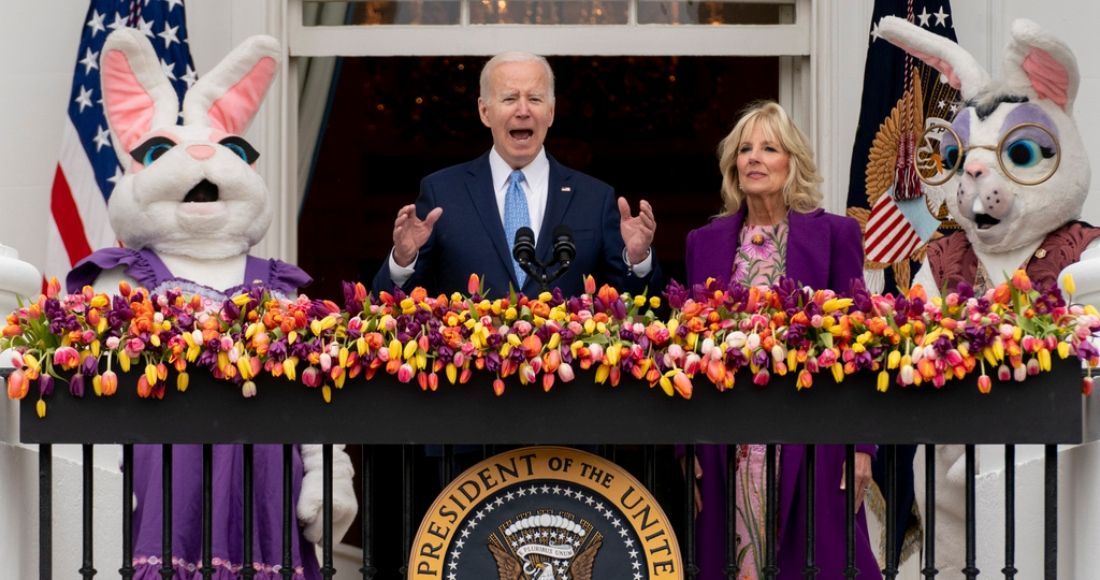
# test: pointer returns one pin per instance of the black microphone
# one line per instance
(524, 248)
(564, 249)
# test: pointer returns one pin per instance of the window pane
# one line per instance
(713, 13)
(404, 12)
(547, 12)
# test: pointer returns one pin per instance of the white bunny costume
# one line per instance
(187, 210)
(1020, 180)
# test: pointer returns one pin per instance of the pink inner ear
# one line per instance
(127, 104)
(1048, 77)
(234, 110)
(937, 63)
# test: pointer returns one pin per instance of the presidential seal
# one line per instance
(545, 513)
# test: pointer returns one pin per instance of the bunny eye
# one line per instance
(242, 148)
(152, 149)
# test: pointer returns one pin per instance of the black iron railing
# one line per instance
(1046, 409)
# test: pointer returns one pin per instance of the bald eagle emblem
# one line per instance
(545, 546)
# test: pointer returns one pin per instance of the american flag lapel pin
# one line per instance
(565, 189)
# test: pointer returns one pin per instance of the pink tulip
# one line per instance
(565, 372)
(312, 377)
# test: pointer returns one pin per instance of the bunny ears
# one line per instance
(1036, 63)
(138, 98)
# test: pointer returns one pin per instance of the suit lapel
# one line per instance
(559, 194)
(479, 184)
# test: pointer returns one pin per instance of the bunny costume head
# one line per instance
(188, 190)
(1020, 168)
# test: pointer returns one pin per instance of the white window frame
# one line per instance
(807, 50)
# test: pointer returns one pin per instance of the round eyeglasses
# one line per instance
(1028, 154)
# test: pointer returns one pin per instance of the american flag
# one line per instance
(88, 167)
(901, 95)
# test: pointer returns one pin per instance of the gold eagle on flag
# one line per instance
(904, 214)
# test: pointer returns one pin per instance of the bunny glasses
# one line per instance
(1028, 153)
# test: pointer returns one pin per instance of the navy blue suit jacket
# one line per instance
(469, 236)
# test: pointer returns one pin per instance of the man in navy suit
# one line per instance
(457, 226)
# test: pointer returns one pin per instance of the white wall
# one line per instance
(40, 39)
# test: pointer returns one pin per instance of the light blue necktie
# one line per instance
(515, 217)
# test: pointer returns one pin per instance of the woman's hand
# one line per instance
(863, 476)
(698, 476)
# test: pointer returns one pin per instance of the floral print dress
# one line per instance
(760, 261)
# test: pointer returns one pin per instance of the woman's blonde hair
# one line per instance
(800, 192)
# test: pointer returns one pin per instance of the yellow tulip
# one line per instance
(1067, 283)
(326, 391)
(182, 381)
(883, 381)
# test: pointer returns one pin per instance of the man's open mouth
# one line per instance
(521, 134)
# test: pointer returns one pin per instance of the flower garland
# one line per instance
(713, 331)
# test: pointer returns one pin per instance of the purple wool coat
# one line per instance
(823, 251)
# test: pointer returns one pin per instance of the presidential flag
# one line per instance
(88, 167)
(901, 97)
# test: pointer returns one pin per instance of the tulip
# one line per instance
(248, 389)
(838, 372)
(805, 380)
(433, 381)
(761, 378)
(1019, 373)
(1020, 281)
(1003, 373)
(181, 382)
(547, 381)
(985, 384)
(109, 383)
(40, 408)
(565, 372)
(1033, 366)
(45, 385)
(883, 381)
(66, 357)
(1067, 283)
(18, 385)
(682, 384)
(498, 387)
(1086, 383)
(144, 389)
(422, 380)
(76, 385)
(405, 373)
(311, 377)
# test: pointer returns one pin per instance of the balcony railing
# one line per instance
(1047, 409)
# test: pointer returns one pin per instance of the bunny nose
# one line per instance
(200, 152)
(976, 169)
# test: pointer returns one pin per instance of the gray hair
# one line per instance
(515, 56)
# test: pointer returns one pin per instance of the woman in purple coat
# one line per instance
(772, 225)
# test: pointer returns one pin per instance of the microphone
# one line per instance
(564, 249)
(524, 248)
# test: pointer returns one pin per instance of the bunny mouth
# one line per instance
(985, 221)
(204, 192)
